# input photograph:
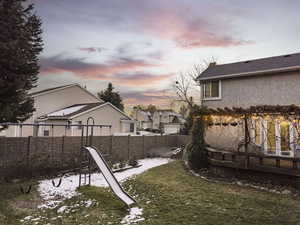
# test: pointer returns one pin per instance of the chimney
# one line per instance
(212, 64)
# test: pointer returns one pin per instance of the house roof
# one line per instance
(78, 109)
(71, 111)
(49, 90)
(146, 113)
(283, 63)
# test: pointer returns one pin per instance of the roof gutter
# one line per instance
(52, 118)
(227, 76)
(54, 90)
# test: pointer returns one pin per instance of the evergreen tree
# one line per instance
(194, 111)
(151, 108)
(108, 95)
(196, 150)
(20, 45)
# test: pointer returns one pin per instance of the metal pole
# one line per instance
(21, 130)
(143, 146)
(128, 149)
(52, 142)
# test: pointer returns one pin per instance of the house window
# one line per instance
(79, 123)
(212, 90)
(46, 133)
(285, 138)
(271, 137)
(256, 131)
(68, 125)
(276, 137)
(132, 127)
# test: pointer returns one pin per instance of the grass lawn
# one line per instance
(167, 194)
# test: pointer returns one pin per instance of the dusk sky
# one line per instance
(141, 45)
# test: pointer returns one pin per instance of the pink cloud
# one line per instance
(140, 79)
(91, 49)
(77, 66)
(159, 97)
(190, 32)
(120, 71)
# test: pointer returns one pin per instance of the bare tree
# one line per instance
(186, 84)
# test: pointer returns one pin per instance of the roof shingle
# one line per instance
(252, 67)
(50, 89)
(59, 114)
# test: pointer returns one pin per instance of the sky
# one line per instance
(142, 45)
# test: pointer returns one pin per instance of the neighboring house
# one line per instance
(266, 81)
(72, 104)
(167, 120)
(143, 118)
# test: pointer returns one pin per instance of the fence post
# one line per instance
(128, 149)
(63, 151)
(28, 165)
(28, 150)
(2, 159)
(143, 146)
(166, 141)
(110, 147)
(294, 164)
(278, 163)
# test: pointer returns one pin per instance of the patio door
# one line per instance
(270, 144)
(278, 138)
(286, 139)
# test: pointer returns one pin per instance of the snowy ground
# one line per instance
(146, 133)
(53, 196)
(135, 215)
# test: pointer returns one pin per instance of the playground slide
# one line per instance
(109, 176)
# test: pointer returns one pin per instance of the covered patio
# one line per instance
(260, 138)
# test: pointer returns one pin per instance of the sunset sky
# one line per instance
(141, 45)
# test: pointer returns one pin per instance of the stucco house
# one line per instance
(273, 81)
(72, 104)
(167, 120)
(143, 118)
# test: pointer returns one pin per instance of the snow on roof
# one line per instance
(144, 113)
(67, 111)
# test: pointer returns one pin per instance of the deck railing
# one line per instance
(257, 162)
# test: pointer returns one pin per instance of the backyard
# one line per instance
(166, 194)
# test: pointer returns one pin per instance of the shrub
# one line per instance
(122, 164)
(196, 150)
(133, 162)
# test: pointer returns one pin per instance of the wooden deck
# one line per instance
(249, 161)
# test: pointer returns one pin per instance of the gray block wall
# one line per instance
(35, 156)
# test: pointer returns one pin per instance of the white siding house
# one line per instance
(71, 104)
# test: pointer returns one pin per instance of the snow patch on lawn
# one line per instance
(53, 196)
(135, 215)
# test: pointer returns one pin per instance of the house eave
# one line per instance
(260, 72)
(65, 87)
(51, 118)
